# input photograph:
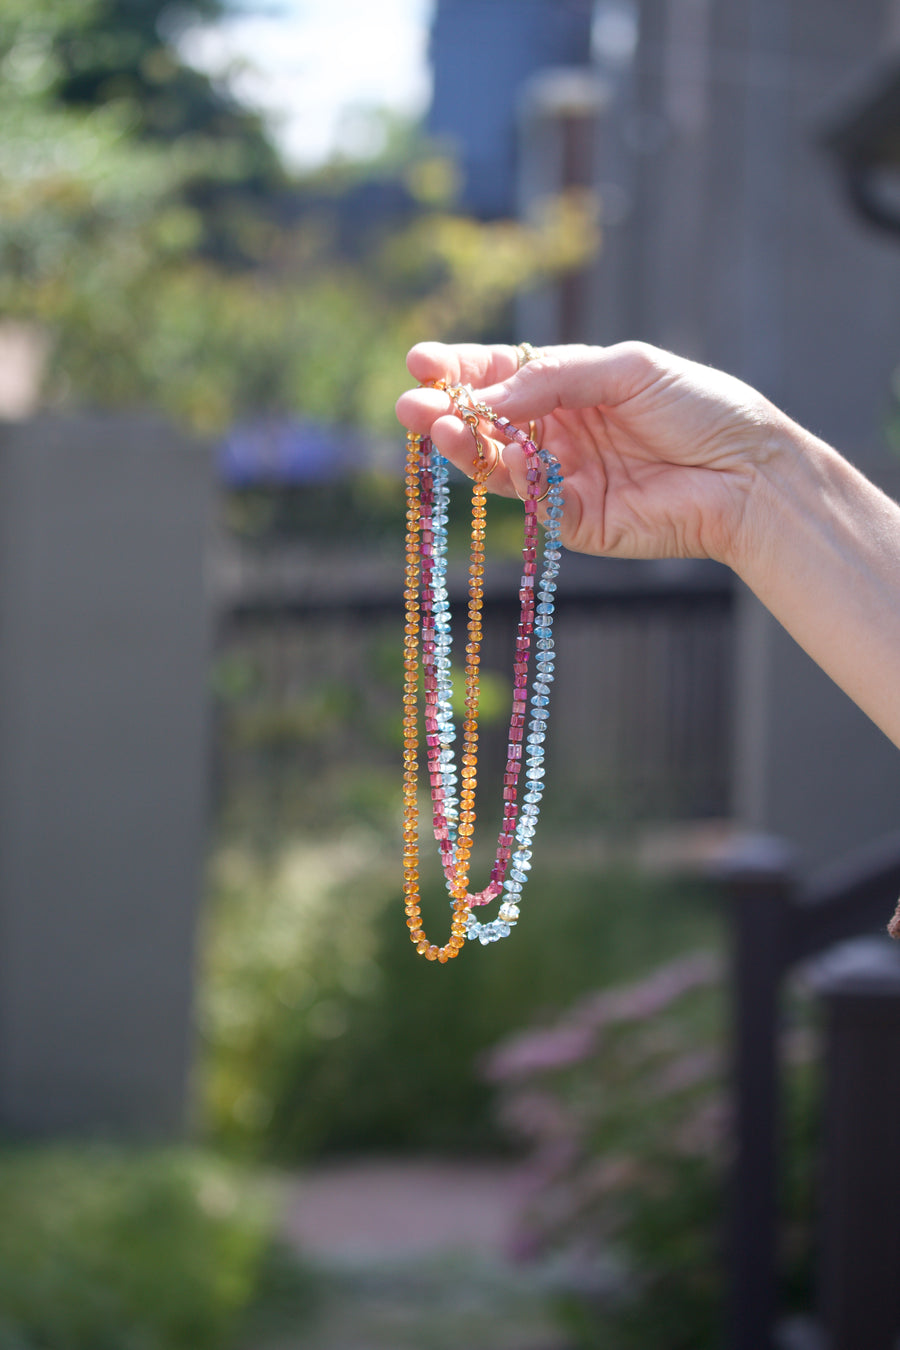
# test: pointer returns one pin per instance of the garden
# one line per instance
(150, 230)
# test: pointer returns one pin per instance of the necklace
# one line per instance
(428, 620)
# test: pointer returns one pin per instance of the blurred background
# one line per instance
(236, 1112)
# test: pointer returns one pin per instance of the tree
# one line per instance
(147, 223)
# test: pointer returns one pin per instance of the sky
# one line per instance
(310, 64)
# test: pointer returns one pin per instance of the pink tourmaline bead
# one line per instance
(514, 750)
(510, 779)
(516, 733)
(490, 892)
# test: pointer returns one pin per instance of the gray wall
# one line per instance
(103, 767)
(730, 241)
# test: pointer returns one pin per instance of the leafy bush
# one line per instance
(104, 1249)
(324, 1031)
(622, 1104)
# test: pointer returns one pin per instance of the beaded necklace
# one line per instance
(428, 618)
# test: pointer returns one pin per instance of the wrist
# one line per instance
(782, 481)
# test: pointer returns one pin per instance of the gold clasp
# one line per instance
(463, 397)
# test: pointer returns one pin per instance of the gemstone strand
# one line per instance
(428, 614)
(412, 627)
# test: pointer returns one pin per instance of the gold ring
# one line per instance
(537, 499)
(524, 353)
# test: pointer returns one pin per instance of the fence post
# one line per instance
(859, 1295)
(757, 878)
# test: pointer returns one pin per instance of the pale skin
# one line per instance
(665, 458)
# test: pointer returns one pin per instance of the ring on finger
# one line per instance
(524, 353)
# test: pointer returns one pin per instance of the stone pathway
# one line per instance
(398, 1208)
(412, 1255)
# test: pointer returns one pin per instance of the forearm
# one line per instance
(820, 547)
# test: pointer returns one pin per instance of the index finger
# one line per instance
(462, 363)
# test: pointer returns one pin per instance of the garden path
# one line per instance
(413, 1255)
(394, 1207)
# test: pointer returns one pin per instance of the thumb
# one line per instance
(575, 377)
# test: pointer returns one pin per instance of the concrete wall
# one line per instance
(103, 767)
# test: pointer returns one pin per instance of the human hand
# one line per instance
(660, 455)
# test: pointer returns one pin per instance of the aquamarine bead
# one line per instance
(540, 690)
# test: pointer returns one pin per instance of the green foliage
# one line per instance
(104, 1249)
(622, 1103)
(324, 1031)
(148, 226)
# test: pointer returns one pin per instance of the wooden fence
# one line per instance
(641, 716)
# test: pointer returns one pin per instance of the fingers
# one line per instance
(427, 412)
(575, 377)
(461, 363)
(417, 409)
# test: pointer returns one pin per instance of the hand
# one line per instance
(659, 454)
